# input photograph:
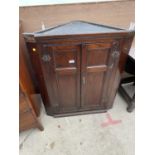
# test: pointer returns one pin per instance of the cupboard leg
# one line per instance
(40, 127)
(131, 107)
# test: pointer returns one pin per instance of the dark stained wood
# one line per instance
(27, 115)
(27, 80)
(97, 83)
(80, 71)
(33, 87)
(29, 103)
(34, 57)
(60, 74)
(36, 98)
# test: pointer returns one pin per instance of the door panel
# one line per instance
(79, 79)
(97, 57)
(65, 58)
(65, 70)
(93, 88)
(67, 95)
(97, 66)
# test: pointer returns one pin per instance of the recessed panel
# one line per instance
(67, 90)
(65, 58)
(94, 83)
(97, 57)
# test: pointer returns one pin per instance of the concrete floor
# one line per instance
(93, 134)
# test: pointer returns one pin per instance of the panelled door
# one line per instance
(99, 61)
(61, 67)
(79, 77)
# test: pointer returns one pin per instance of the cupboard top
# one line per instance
(77, 27)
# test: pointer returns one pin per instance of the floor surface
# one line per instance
(110, 133)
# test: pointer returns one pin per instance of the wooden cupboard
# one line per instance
(78, 65)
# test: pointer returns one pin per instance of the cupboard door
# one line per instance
(99, 61)
(61, 67)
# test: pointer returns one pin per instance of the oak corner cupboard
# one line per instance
(78, 65)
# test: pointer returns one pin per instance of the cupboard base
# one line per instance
(78, 113)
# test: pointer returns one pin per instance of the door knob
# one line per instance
(46, 58)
